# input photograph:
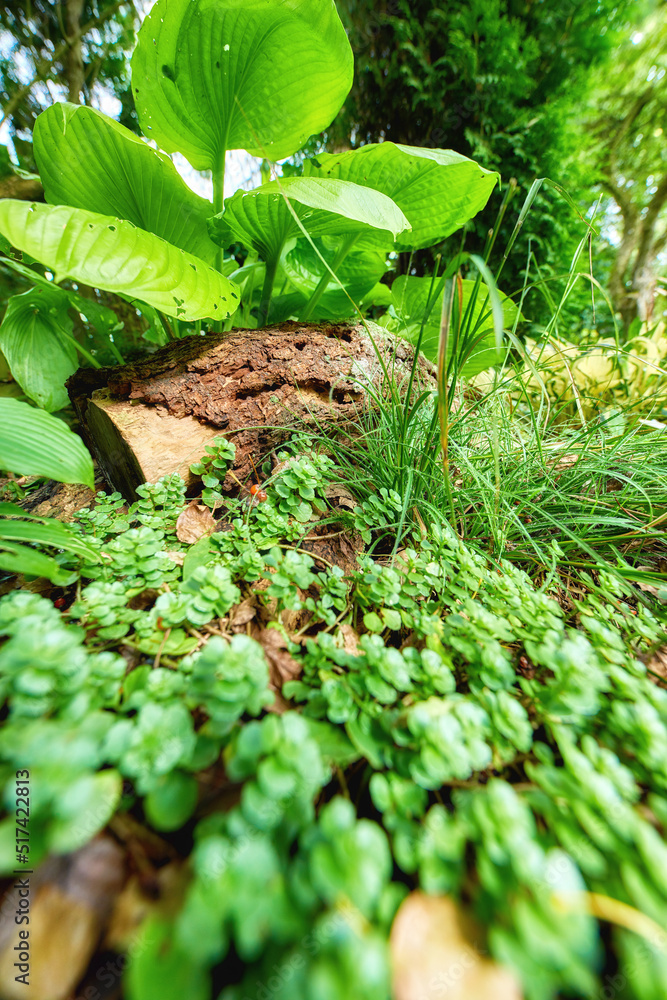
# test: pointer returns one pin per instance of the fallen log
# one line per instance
(156, 416)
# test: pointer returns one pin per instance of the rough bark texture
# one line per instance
(155, 417)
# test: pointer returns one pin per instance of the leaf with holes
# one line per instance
(88, 160)
(259, 75)
(261, 219)
(437, 190)
(114, 255)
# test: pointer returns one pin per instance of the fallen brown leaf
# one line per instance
(432, 955)
(294, 620)
(340, 548)
(242, 613)
(338, 496)
(657, 665)
(176, 557)
(563, 462)
(282, 665)
(67, 916)
(267, 610)
(648, 588)
(195, 522)
(348, 639)
(140, 897)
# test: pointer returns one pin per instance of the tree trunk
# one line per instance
(45, 68)
(74, 72)
(156, 416)
(637, 254)
(622, 300)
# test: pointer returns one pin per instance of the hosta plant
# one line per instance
(209, 77)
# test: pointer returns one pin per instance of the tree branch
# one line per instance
(44, 67)
(629, 210)
(660, 244)
(655, 207)
(619, 135)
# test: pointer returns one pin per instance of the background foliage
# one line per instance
(502, 82)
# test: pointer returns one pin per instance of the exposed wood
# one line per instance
(155, 417)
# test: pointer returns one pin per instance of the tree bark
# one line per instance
(74, 72)
(156, 417)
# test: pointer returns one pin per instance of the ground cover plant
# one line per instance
(388, 719)
(451, 729)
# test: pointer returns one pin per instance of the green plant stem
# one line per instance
(116, 353)
(219, 198)
(444, 407)
(218, 206)
(343, 250)
(166, 326)
(267, 290)
(82, 351)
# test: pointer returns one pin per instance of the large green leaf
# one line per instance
(262, 219)
(42, 531)
(36, 340)
(116, 256)
(361, 269)
(412, 301)
(437, 190)
(33, 443)
(104, 322)
(87, 160)
(23, 559)
(358, 273)
(260, 75)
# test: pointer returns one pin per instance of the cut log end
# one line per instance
(156, 416)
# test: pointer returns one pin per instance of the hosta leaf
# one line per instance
(116, 256)
(36, 340)
(360, 270)
(359, 273)
(438, 190)
(260, 75)
(411, 300)
(22, 559)
(88, 160)
(46, 532)
(261, 218)
(33, 443)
